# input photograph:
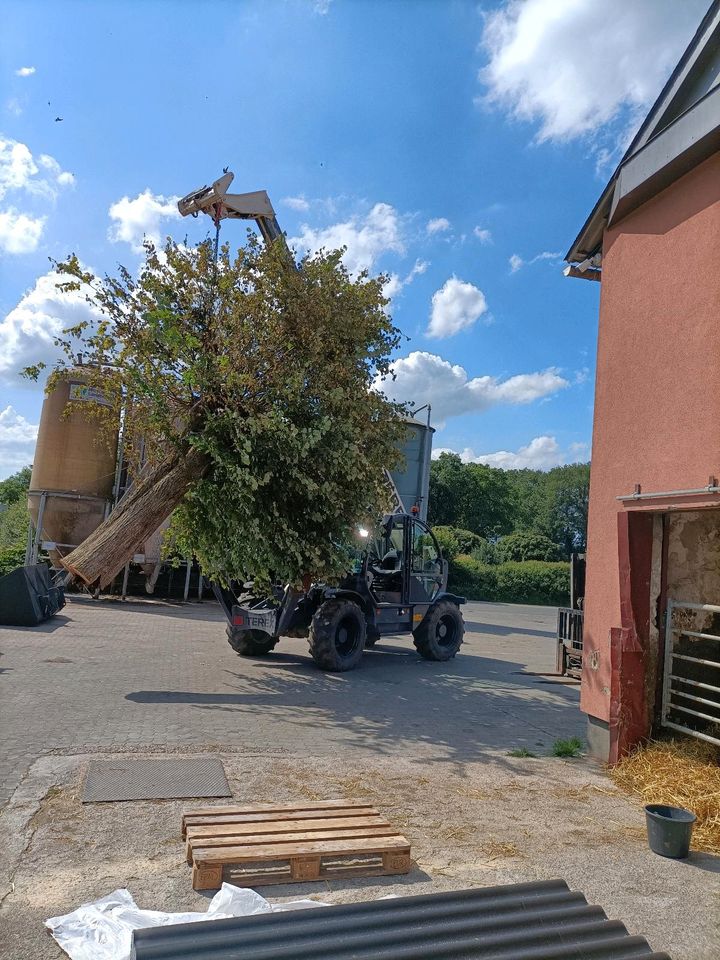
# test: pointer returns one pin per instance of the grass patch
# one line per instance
(567, 748)
(521, 752)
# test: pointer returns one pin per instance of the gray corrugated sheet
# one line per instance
(526, 921)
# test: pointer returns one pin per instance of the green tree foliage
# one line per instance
(263, 374)
(471, 496)
(493, 502)
(526, 546)
(454, 541)
(15, 487)
(566, 506)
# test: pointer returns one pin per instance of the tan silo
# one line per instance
(73, 466)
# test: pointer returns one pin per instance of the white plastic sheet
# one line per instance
(102, 930)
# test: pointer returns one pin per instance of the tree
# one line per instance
(526, 546)
(15, 487)
(565, 514)
(471, 496)
(249, 384)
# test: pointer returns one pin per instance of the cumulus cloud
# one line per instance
(19, 233)
(17, 441)
(25, 72)
(30, 180)
(438, 225)
(427, 378)
(572, 67)
(367, 237)
(27, 334)
(542, 453)
(136, 219)
(455, 306)
(483, 235)
(20, 171)
(297, 203)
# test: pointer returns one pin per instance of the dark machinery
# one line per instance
(398, 586)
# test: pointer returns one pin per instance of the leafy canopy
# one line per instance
(267, 371)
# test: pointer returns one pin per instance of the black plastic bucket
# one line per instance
(669, 830)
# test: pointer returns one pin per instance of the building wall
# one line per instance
(657, 410)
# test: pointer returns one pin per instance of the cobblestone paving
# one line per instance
(106, 675)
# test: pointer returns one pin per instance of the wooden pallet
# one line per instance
(269, 843)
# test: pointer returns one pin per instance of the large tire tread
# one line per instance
(250, 643)
(323, 632)
(427, 642)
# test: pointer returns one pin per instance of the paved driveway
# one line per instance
(126, 676)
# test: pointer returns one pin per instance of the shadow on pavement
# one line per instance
(395, 701)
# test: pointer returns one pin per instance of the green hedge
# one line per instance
(529, 581)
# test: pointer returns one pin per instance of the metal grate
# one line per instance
(527, 921)
(154, 779)
(691, 680)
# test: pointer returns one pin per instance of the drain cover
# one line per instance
(155, 779)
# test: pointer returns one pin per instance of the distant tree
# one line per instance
(454, 540)
(565, 514)
(527, 546)
(470, 496)
(530, 490)
(15, 487)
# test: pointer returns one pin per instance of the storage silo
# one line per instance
(412, 481)
(73, 470)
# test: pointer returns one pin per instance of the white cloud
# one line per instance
(25, 72)
(484, 236)
(438, 225)
(19, 171)
(17, 441)
(426, 378)
(297, 203)
(19, 233)
(141, 217)
(572, 66)
(516, 262)
(14, 106)
(455, 306)
(321, 6)
(27, 333)
(396, 284)
(542, 453)
(366, 238)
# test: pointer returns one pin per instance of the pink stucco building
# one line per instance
(651, 657)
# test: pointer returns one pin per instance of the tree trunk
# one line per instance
(152, 499)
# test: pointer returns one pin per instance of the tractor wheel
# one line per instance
(441, 632)
(337, 635)
(250, 643)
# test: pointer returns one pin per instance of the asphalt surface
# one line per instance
(109, 675)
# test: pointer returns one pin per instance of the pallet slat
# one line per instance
(205, 817)
(283, 826)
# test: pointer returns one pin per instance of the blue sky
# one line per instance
(457, 146)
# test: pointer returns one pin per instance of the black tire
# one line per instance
(250, 643)
(440, 634)
(337, 635)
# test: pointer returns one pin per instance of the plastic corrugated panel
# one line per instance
(527, 921)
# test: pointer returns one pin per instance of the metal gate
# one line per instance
(691, 682)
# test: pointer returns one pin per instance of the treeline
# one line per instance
(508, 534)
(13, 520)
